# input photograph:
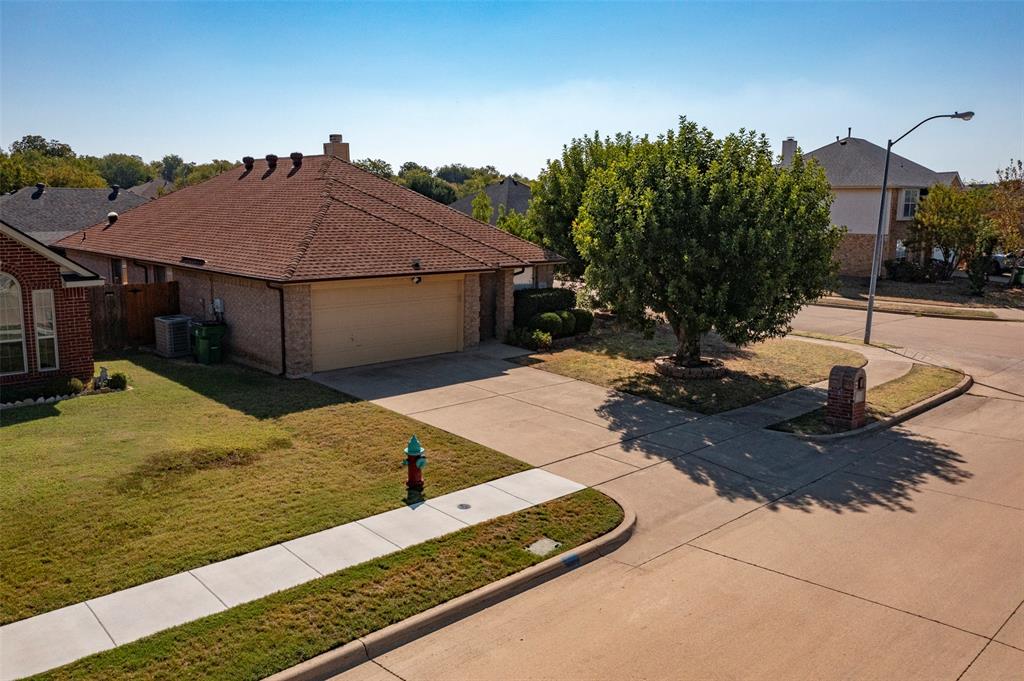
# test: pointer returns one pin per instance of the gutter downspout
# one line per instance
(280, 299)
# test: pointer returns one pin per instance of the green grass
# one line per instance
(194, 465)
(839, 339)
(918, 384)
(256, 639)
(623, 360)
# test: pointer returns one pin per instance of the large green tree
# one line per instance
(377, 166)
(38, 143)
(708, 234)
(169, 166)
(558, 192)
(953, 220)
(428, 185)
(124, 170)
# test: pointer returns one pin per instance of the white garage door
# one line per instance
(379, 320)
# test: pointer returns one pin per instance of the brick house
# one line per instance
(45, 325)
(315, 264)
(854, 168)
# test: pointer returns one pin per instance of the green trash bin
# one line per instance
(208, 342)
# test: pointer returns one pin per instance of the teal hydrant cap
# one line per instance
(414, 446)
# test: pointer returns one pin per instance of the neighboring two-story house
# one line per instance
(854, 168)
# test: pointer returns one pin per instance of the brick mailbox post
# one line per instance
(847, 394)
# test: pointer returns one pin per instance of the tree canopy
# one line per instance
(124, 170)
(482, 210)
(557, 194)
(704, 232)
(953, 220)
(377, 166)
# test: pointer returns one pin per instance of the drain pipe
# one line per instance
(280, 301)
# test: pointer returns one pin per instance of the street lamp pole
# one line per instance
(876, 259)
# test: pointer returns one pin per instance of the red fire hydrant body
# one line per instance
(415, 460)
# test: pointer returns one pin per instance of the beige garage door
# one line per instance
(369, 321)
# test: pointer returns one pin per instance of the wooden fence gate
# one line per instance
(122, 316)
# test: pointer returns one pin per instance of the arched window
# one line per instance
(12, 327)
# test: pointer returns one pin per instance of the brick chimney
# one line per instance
(337, 148)
(788, 149)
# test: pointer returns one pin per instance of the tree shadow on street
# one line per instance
(879, 470)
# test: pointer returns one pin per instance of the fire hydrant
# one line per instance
(415, 461)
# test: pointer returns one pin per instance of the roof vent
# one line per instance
(296, 157)
(114, 189)
(272, 161)
(111, 219)
(188, 260)
(40, 187)
(415, 263)
(248, 161)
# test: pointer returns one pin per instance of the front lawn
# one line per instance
(624, 360)
(918, 384)
(194, 465)
(256, 639)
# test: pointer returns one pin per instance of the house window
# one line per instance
(45, 317)
(911, 198)
(12, 328)
(116, 271)
(159, 274)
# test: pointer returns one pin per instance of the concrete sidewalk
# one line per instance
(61, 636)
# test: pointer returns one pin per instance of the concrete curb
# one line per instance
(969, 317)
(377, 643)
(902, 415)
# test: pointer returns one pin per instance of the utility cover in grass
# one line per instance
(543, 546)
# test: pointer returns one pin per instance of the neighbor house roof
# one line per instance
(327, 219)
(71, 273)
(509, 192)
(855, 162)
(153, 189)
(48, 214)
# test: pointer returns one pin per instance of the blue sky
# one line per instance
(508, 84)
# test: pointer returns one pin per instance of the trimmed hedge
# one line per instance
(584, 320)
(568, 322)
(533, 301)
(527, 338)
(550, 322)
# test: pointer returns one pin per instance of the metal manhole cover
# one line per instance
(464, 507)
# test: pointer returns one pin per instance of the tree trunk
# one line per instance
(687, 346)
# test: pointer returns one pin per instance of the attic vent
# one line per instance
(296, 157)
(111, 219)
(416, 263)
(248, 162)
(187, 260)
(272, 161)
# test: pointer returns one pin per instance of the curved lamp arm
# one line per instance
(965, 116)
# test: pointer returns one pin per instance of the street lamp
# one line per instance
(877, 257)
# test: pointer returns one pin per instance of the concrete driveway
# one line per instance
(533, 415)
(756, 555)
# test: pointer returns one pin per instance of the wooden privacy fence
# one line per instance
(122, 316)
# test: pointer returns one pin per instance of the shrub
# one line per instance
(533, 339)
(546, 321)
(57, 386)
(568, 322)
(978, 269)
(539, 340)
(907, 270)
(584, 320)
(117, 381)
(530, 302)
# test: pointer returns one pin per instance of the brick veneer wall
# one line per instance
(71, 306)
(251, 312)
(471, 311)
(298, 334)
(504, 305)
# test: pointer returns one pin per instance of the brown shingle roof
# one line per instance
(328, 219)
